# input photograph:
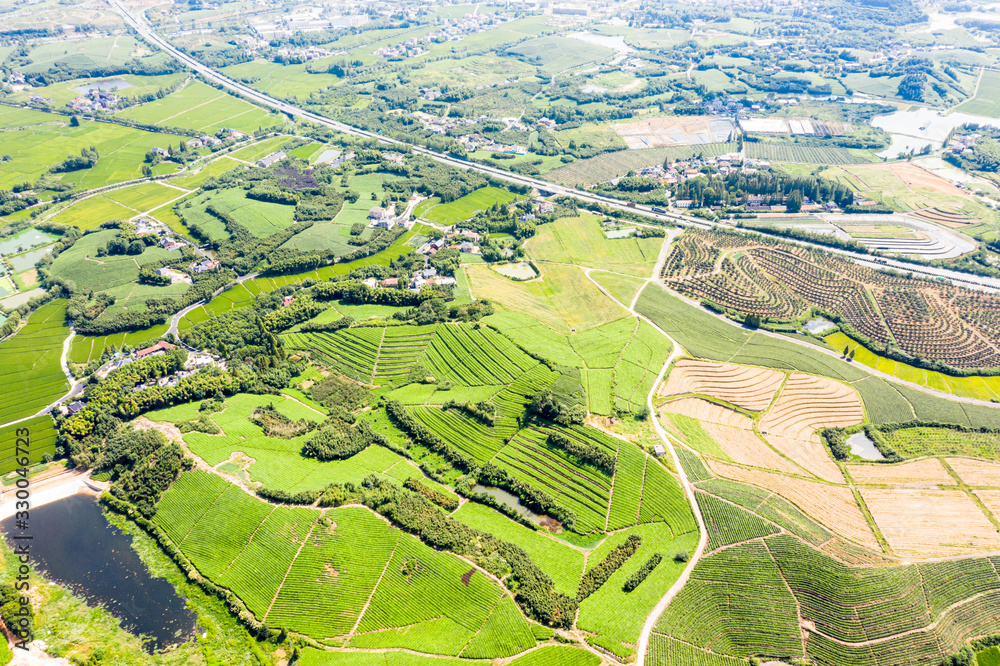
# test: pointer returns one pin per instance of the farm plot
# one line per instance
(30, 372)
(833, 506)
(37, 141)
(795, 153)
(401, 348)
(564, 299)
(770, 278)
(563, 563)
(144, 197)
(555, 54)
(585, 491)
(40, 440)
(91, 212)
(81, 264)
(300, 569)
(985, 102)
(744, 386)
(467, 206)
(927, 473)
(617, 616)
(261, 218)
(476, 357)
(736, 604)
(353, 352)
(580, 241)
(202, 108)
(277, 462)
(915, 442)
(926, 522)
(468, 435)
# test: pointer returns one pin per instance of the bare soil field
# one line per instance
(811, 454)
(746, 448)
(706, 411)
(927, 473)
(675, 131)
(927, 522)
(976, 472)
(809, 403)
(833, 506)
(745, 386)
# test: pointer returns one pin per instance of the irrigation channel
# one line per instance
(73, 544)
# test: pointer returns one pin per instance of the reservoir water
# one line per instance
(74, 545)
(862, 446)
(514, 502)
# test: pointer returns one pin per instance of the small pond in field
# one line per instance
(514, 502)
(75, 545)
(862, 446)
(107, 85)
(520, 271)
(25, 240)
(23, 262)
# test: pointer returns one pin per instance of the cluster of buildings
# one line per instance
(386, 218)
(271, 159)
(195, 361)
(474, 142)
(453, 31)
(463, 240)
(962, 143)
(285, 26)
(96, 100)
(304, 54)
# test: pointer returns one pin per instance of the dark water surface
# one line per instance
(76, 546)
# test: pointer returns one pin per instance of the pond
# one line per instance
(917, 128)
(521, 271)
(107, 85)
(620, 233)
(514, 502)
(818, 325)
(22, 262)
(25, 240)
(864, 447)
(76, 546)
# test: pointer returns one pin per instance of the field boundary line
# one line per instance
(364, 609)
(188, 533)
(290, 565)
(798, 604)
(192, 108)
(249, 541)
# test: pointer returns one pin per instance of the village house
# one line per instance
(160, 347)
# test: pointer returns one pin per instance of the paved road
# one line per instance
(139, 24)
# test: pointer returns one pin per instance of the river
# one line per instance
(73, 544)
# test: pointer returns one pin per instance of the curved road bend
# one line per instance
(971, 281)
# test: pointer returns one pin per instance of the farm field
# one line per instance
(81, 264)
(562, 299)
(780, 152)
(611, 165)
(261, 218)
(37, 141)
(556, 54)
(31, 375)
(40, 441)
(985, 101)
(982, 388)
(467, 206)
(287, 81)
(201, 108)
(581, 241)
(284, 583)
(782, 282)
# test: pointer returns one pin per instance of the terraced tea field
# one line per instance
(763, 277)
